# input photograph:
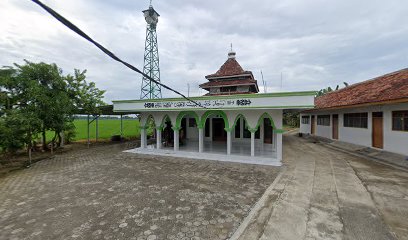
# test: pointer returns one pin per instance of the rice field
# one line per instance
(107, 128)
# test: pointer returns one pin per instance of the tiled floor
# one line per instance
(240, 152)
(103, 193)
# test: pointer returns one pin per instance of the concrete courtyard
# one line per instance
(328, 194)
(103, 193)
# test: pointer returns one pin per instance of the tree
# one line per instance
(86, 96)
(37, 97)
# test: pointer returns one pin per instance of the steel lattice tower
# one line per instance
(151, 67)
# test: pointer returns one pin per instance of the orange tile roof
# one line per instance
(389, 87)
(230, 68)
(221, 83)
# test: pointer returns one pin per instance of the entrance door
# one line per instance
(268, 130)
(335, 130)
(378, 134)
(219, 133)
(312, 124)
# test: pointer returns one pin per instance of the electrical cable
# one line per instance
(78, 31)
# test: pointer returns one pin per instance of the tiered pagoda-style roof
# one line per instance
(231, 78)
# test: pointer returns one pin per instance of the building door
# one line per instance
(268, 130)
(219, 133)
(378, 131)
(183, 130)
(312, 125)
(335, 125)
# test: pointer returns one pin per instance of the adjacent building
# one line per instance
(373, 113)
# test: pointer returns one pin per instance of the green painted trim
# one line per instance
(236, 120)
(220, 109)
(228, 129)
(150, 116)
(253, 130)
(214, 112)
(182, 114)
(163, 121)
(258, 95)
(176, 128)
(261, 118)
(279, 131)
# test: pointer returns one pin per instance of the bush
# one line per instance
(12, 133)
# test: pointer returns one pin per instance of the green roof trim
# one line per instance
(258, 95)
(206, 109)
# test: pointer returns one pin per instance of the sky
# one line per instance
(312, 44)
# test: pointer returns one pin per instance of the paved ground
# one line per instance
(103, 193)
(326, 194)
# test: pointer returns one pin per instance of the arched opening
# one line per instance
(188, 123)
(150, 129)
(241, 136)
(167, 137)
(267, 145)
(215, 124)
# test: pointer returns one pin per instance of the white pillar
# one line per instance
(143, 138)
(176, 140)
(158, 138)
(229, 142)
(201, 140)
(279, 146)
(252, 143)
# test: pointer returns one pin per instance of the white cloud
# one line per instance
(314, 44)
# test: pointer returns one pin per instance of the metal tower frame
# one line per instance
(151, 67)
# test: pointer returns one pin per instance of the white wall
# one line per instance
(324, 131)
(192, 131)
(305, 128)
(394, 141)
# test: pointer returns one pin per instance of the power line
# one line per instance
(78, 31)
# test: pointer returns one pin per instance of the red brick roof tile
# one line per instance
(389, 87)
(230, 68)
(219, 83)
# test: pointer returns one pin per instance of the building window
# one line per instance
(238, 128)
(323, 120)
(305, 120)
(228, 89)
(400, 121)
(356, 120)
(192, 122)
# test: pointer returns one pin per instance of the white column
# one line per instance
(176, 140)
(143, 139)
(158, 138)
(201, 140)
(279, 146)
(252, 144)
(229, 142)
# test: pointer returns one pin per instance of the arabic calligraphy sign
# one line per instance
(219, 103)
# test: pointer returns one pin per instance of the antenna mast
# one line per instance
(151, 90)
(263, 82)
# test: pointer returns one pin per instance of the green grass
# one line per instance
(107, 128)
